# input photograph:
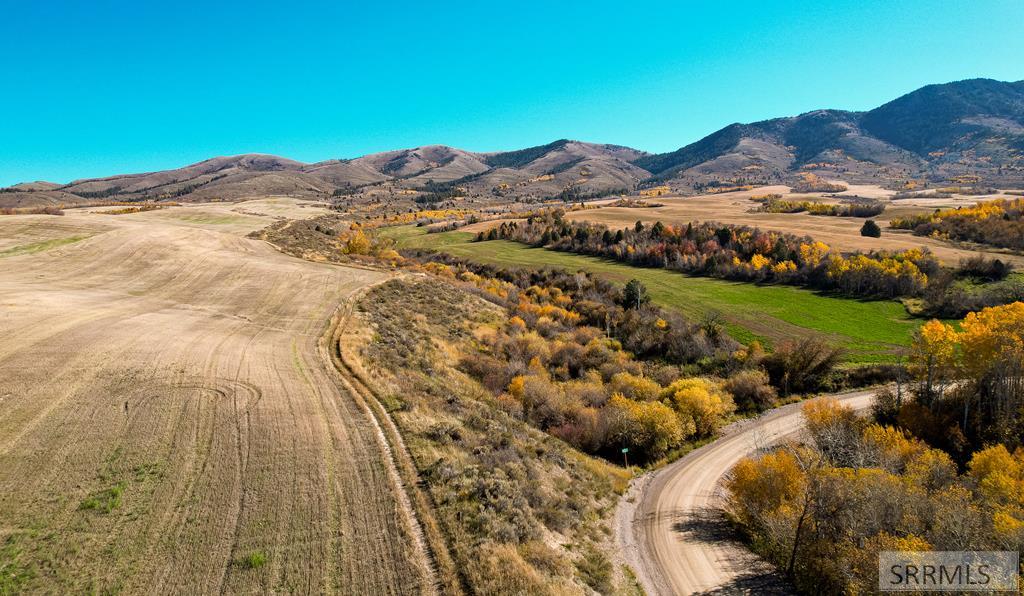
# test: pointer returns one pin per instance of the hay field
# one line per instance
(170, 421)
(840, 232)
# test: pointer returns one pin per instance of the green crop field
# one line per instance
(870, 331)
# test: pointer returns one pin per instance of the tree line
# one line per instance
(733, 252)
(997, 223)
(863, 208)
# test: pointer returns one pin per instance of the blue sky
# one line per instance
(105, 87)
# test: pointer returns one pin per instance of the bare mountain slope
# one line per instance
(345, 172)
(547, 170)
(36, 186)
(435, 162)
(199, 173)
(972, 127)
(969, 128)
(541, 172)
(770, 150)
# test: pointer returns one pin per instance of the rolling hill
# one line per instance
(537, 172)
(971, 128)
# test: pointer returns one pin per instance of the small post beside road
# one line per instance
(625, 459)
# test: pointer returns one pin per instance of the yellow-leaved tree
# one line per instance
(986, 362)
(992, 335)
(356, 242)
(700, 400)
(634, 387)
(649, 429)
(999, 480)
(933, 359)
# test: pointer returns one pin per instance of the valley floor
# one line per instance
(870, 330)
(842, 233)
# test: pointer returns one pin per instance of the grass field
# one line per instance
(870, 331)
(34, 247)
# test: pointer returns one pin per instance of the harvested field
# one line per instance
(21, 232)
(840, 232)
(169, 421)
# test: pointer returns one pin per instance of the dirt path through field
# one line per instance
(669, 527)
(168, 422)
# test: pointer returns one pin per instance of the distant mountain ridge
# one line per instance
(937, 117)
(973, 127)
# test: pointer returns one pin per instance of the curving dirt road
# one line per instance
(669, 527)
(168, 420)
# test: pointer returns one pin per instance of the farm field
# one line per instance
(869, 330)
(169, 419)
(842, 233)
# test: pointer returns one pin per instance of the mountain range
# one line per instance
(937, 133)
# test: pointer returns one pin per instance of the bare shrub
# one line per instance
(751, 390)
(803, 366)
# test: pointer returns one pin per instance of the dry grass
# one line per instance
(520, 510)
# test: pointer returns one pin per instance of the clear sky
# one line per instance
(107, 87)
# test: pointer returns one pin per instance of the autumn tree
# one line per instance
(823, 510)
(701, 401)
(648, 429)
(992, 357)
(835, 431)
(634, 387)
(356, 242)
(999, 478)
(751, 390)
(933, 359)
(736, 252)
(802, 366)
(985, 360)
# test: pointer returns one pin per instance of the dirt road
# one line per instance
(168, 421)
(668, 526)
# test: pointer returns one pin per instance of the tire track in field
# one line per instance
(432, 544)
(158, 358)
